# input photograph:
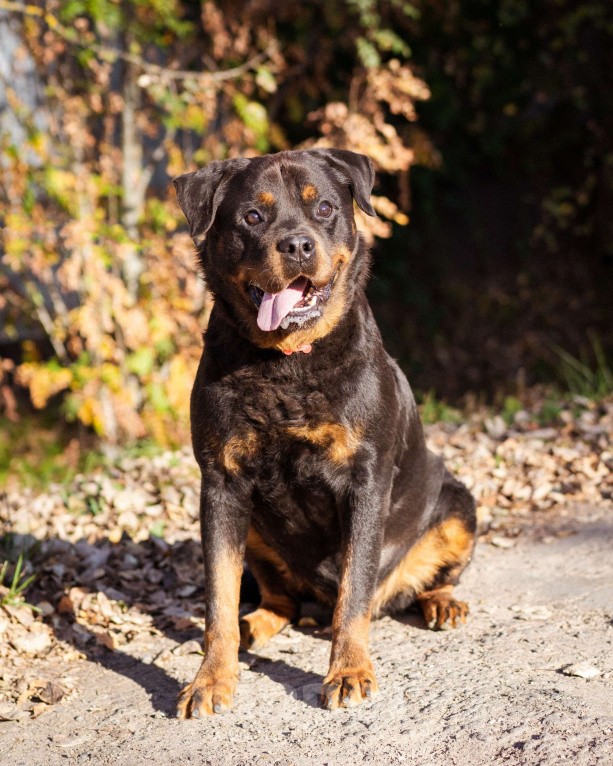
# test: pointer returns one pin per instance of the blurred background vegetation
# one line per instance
(490, 125)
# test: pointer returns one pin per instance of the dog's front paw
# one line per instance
(205, 696)
(258, 627)
(349, 687)
(442, 611)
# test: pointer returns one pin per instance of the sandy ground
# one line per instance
(490, 692)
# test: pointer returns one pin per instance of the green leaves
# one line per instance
(12, 596)
(141, 362)
(254, 116)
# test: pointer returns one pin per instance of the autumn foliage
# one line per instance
(489, 123)
(98, 276)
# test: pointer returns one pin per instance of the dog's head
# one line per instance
(277, 238)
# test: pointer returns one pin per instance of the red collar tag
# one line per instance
(306, 349)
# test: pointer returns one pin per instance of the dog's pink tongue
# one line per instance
(276, 306)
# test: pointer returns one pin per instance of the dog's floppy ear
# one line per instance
(358, 172)
(200, 193)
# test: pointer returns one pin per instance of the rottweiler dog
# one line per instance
(314, 465)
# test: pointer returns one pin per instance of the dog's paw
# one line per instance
(205, 696)
(442, 611)
(348, 688)
(258, 627)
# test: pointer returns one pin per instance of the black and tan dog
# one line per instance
(314, 466)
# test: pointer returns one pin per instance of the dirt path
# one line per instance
(489, 693)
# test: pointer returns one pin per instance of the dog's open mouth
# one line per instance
(298, 303)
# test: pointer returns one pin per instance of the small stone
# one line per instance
(484, 518)
(75, 741)
(52, 693)
(186, 590)
(154, 510)
(307, 622)
(32, 642)
(130, 501)
(108, 639)
(163, 657)
(38, 708)
(495, 427)
(188, 647)
(65, 606)
(45, 608)
(540, 493)
(90, 488)
(128, 520)
(502, 542)
(182, 623)
(105, 606)
(10, 712)
(532, 612)
(23, 614)
(581, 669)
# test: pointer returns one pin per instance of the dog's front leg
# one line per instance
(351, 678)
(224, 518)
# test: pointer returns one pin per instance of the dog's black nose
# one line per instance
(297, 247)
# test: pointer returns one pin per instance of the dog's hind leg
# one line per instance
(279, 605)
(430, 569)
(456, 540)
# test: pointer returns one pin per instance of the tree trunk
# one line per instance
(133, 181)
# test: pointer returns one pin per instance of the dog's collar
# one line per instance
(306, 349)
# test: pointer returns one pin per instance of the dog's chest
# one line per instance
(291, 427)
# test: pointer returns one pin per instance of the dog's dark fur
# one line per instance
(314, 465)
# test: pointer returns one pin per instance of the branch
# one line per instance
(45, 319)
(154, 70)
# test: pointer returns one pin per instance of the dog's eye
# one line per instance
(253, 217)
(324, 210)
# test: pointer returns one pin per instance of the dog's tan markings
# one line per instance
(351, 678)
(276, 609)
(309, 192)
(440, 609)
(266, 198)
(333, 310)
(235, 449)
(258, 550)
(272, 615)
(341, 256)
(213, 688)
(332, 313)
(449, 544)
(339, 442)
(257, 546)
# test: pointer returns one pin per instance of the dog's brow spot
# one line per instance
(309, 192)
(266, 198)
